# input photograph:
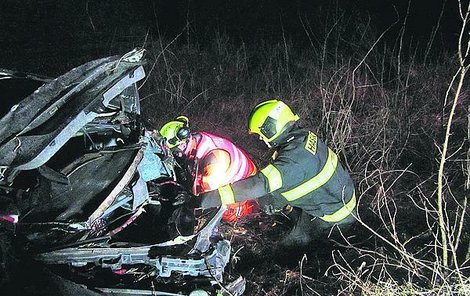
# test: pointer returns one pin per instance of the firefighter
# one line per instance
(212, 161)
(304, 177)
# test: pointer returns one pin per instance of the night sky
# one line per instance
(50, 36)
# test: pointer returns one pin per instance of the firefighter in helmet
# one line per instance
(304, 175)
(211, 161)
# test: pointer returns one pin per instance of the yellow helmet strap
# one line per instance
(183, 119)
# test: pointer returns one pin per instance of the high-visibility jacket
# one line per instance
(218, 162)
(305, 174)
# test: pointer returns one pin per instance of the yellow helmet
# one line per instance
(270, 119)
(176, 132)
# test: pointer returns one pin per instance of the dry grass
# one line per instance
(383, 109)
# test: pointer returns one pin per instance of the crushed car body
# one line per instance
(89, 189)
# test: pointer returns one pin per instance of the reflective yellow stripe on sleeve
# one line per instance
(274, 177)
(314, 183)
(342, 213)
(226, 195)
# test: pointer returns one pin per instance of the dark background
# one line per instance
(51, 36)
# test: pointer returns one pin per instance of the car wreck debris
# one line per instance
(88, 190)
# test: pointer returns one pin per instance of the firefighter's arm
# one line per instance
(250, 188)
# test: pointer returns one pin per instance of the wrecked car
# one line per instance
(88, 190)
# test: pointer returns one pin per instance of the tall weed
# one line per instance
(380, 106)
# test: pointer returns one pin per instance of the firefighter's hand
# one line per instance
(210, 199)
(187, 199)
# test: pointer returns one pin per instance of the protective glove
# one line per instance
(186, 199)
(210, 199)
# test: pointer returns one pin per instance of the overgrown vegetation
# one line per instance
(395, 114)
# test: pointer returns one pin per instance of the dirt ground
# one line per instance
(274, 270)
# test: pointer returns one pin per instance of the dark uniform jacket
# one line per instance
(305, 174)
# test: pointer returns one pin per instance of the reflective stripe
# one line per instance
(314, 183)
(240, 164)
(274, 177)
(342, 213)
(226, 195)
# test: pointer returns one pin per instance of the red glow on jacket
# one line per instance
(219, 162)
